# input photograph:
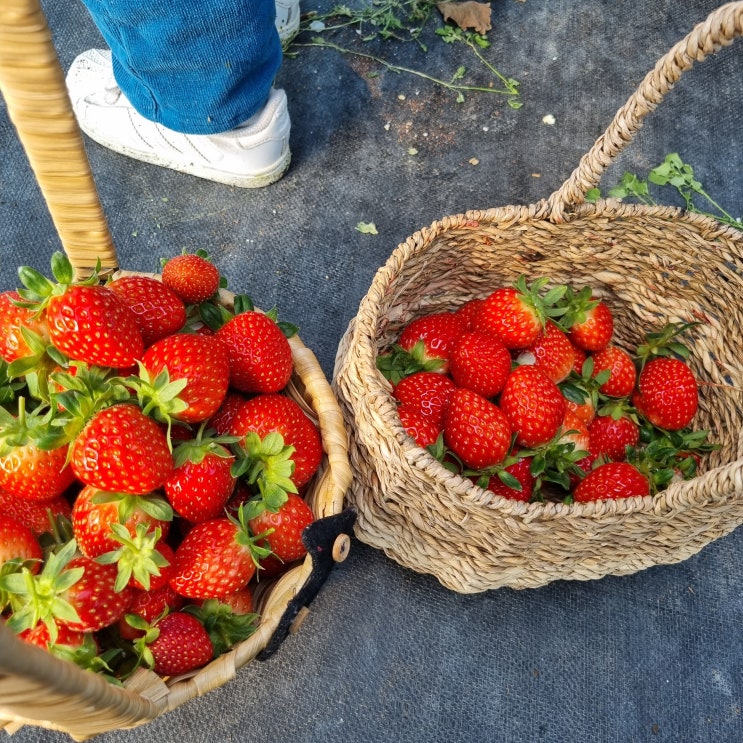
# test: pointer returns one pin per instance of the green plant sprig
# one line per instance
(675, 173)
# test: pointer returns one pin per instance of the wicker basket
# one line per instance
(36, 688)
(651, 265)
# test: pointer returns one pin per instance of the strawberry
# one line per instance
(476, 430)
(520, 471)
(202, 362)
(667, 393)
(160, 312)
(265, 414)
(39, 516)
(436, 334)
(588, 320)
(95, 511)
(611, 436)
(417, 425)
(215, 558)
(621, 368)
(70, 590)
(426, 392)
(283, 528)
(259, 353)
(479, 362)
(33, 464)
(201, 483)
(93, 324)
(14, 320)
(66, 638)
(551, 352)
(181, 645)
(468, 311)
(580, 358)
(517, 314)
(192, 276)
(221, 421)
(121, 449)
(533, 405)
(612, 480)
(148, 605)
(18, 545)
(93, 596)
(574, 431)
(86, 321)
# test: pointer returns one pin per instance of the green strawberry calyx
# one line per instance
(267, 465)
(137, 557)
(39, 598)
(224, 626)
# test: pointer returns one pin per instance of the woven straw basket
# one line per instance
(651, 265)
(36, 688)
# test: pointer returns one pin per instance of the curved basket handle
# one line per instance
(720, 28)
(33, 86)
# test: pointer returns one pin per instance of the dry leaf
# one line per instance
(466, 15)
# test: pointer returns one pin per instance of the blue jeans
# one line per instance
(195, 66)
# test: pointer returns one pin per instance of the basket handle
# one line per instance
(720, 28)
(32, 83)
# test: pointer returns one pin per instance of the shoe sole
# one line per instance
(200, 171)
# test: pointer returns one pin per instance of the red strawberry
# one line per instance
(201, 483)
(221, 421)
(160, 312)
(93, 596)
(574, 430)
(429, 339)
(13, 319)
(611, 436)
(192, 277)
(580, 358)
(667, 393)
(584, 410)
(121, 449)
(551, 352)
(94, 511)
(517, 314)
(476, 430)
(419, 426)
(215, 558)
(468, 312)
(259, 353)
(93, 324)
(182, 645)
(593, 326)
(265, 414)
(148, 605)
(287, 525)
(240, 602)
(426, 392)
(480, 362)
(621, 368)
(28, 469)
(36, 515)
(533, 405)
(202, 362)
(18, 542)
(68, 638)
(611, 480)
(521, 471)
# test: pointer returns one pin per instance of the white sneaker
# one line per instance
(254, 154)
(287, 20)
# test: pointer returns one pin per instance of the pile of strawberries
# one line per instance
(525, 392)
(150, 465)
